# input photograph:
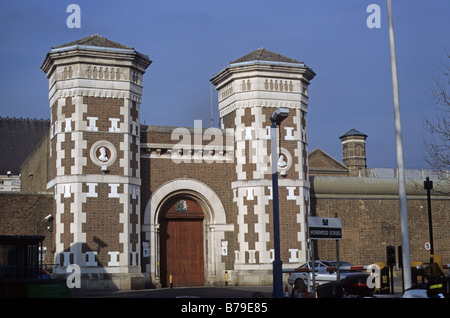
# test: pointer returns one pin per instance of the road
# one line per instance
(180, 292)
(214, 301)
(201, 292)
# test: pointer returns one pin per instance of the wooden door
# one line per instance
(181, 248)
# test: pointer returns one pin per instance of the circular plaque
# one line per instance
(103, 153)
(284, 160)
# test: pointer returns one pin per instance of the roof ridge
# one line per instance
(262, 54)
(353, 132)
(95, 40)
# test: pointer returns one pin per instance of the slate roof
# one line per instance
(95, 40)
(262, 54)
(353, 132)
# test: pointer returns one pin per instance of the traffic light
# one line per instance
(390, 255)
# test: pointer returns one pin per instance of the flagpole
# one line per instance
(400, 164)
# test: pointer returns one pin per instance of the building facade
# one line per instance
(148, 206)
(225, 176)
(169, 204)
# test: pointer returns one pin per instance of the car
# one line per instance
(322, 274)
(355, 285)
(350, 282)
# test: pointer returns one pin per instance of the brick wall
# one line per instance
(102, 223)
(23, 214)
(369, 225)
(155, 172)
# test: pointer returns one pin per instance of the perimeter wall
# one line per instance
(370, 213)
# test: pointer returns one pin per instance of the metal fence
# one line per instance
(20, 257)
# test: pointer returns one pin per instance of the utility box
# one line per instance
(384, 278)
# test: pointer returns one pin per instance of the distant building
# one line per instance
(9, 183)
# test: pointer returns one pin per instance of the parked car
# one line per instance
(350, 282)
(322, 275)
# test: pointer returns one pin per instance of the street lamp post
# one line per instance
(407, 281)
(428, 185)
(276, 118)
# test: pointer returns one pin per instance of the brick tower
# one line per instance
(250, 89)
(95, 89)
(354, 152)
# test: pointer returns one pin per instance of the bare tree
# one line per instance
(437, 141)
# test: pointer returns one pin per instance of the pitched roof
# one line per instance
(320, 162)
(353, 132)
(95, 40)
(262, 54)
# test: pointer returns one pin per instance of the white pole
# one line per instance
(211, 106)
(401, 170)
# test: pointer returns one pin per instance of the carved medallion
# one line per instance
(181, 206)
(103, 153)
(282, 163)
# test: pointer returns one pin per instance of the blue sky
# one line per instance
(191, 40)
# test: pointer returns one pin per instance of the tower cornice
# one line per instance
(87, 53)
(263, 68)
(92, 49)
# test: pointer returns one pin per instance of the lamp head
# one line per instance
(279, 115)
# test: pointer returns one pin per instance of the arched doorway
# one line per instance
(214, 224)
(181, 236)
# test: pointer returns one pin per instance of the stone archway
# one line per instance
(214, 228)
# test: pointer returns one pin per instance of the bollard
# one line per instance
(170, 280)
(226, 278)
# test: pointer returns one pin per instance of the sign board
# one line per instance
(427, 246)
(324, 228)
